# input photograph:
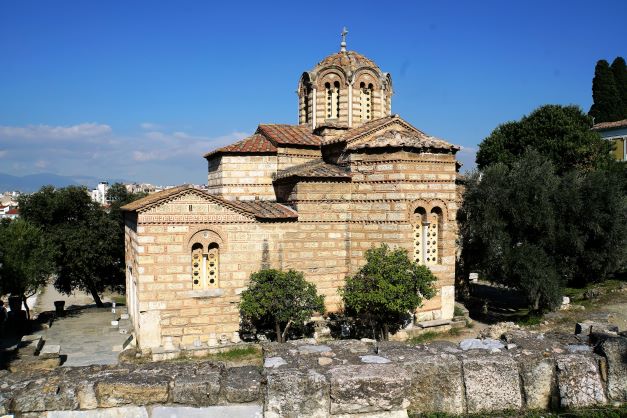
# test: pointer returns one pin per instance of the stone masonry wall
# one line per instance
(347, 378)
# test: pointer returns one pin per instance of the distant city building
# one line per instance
(617, 133)
(9, 212)
(99, 194)
(9, 198)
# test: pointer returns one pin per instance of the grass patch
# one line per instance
(457, 311)
(529, 320)
(237, 354)
(119, 300)
(428, 336)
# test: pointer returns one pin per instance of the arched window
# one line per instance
(205, 266)
(427, 236)
(333, 100)
(307, 99)
(366, 99)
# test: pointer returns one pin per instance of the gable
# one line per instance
(394, 126)
(192, 206)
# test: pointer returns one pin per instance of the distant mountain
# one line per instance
(33, 182)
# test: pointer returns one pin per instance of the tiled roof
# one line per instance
(317, 169)
(349, 60)
(400, 139)
(263, 209)
(289, 135)
(260, 209)
(154, 197)
(366, 127)
(255, 144)
(609, 125)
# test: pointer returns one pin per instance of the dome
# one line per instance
(349, 61)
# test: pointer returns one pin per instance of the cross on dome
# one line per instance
(343, 43)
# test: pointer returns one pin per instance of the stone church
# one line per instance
(311, 197)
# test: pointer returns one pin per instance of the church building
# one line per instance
(311, 197)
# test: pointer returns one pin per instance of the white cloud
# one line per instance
(97, 150)
(467, 156)
(41, 164)
(84, 130)
(149, 126)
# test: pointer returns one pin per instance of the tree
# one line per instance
(87, 252)
(282, 298)
(560, 133)
(607, 105)
(386, 289)
(619, 70)
(529, 228)
(26, 259)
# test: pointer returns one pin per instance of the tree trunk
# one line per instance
(287, 327)
(26, 306)
(386, 332)
(277, 329)
(94, 294)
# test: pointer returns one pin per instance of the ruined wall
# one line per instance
(342, 378)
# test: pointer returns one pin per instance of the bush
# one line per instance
(283, 299)
(387, 289)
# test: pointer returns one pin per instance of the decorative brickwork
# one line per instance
(308, 198)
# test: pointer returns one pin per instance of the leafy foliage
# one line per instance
(560, 133)
(619, 70)
(26, 258)
(87, 251)
(607, 104)
(283, 298)
(386, 289)
(527, 227)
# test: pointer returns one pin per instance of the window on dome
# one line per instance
(333, 100)
(366, 99)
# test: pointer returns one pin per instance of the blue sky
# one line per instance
(141, 89)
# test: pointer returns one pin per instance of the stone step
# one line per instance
(433, 323)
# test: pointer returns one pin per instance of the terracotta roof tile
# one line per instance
(289, 135)
(154, 197)
(263, 209)
(315, 169)
(255, 144)
(401, 139)
(609, 125)
(349, 60)
(260, 209)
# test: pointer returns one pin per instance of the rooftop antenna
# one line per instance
(343, 43)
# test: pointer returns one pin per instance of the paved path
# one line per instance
(85, 333)
(87, 337)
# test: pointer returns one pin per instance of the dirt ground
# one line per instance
(489, 304)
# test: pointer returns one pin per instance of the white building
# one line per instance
(99, 194)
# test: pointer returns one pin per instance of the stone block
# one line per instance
(120, 412)
(368, 388)
(242, 384)
(50, 394)
(579, 381)
(436, 383)
(615, 352)
(197, 390)
(134, 388)
(50, 351)
(492, 384)
(293, 393)
(222, 411)
(538, 378)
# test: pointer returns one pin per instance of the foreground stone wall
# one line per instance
(347, 378)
